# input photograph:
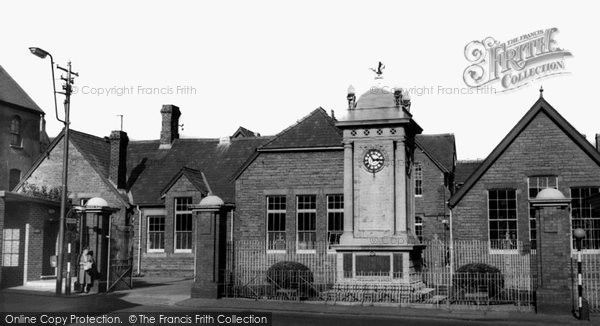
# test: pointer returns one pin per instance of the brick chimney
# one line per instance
(598, 142)
(170, 125)
(118, 158)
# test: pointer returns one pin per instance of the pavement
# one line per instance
(175, 294)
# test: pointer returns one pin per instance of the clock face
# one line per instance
(373, 160)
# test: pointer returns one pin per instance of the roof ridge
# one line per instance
(298, 122)
(442, 134)
(23, 93)
(144, 141)
(540, 105)
(101, 138)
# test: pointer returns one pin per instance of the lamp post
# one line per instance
(579, 234)
(63, 202)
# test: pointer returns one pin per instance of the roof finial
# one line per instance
(541, 91)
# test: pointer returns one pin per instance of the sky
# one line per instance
(264, 65)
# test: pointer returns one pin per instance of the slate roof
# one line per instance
(94, 149)
(315, 130)
(440, 148)
(153, 169)
(194, 176)
(464, 169)
(243, 132)
(11, 92)
(539, 106)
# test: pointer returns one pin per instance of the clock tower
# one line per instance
(378, 240)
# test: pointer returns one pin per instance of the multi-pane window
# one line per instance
(276, 207)
(156, 233)
(582, 216)
(10, 247)
(418, 179)
(306, 212)
(502, 214)
(335, 219)
(15, 131)
(419, 227)
(183, 224)
(535, 185)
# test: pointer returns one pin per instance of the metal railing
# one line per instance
(437, 282)
(591, 279)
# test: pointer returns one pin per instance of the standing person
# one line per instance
(84, 265)
(90, 271)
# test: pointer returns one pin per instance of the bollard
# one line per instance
(68, 278)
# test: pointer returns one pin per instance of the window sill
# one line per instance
(306, 251)
(182, 251)
(586, 251)
(16, 146)
(156, 254)
(504, 251)
(276, 251)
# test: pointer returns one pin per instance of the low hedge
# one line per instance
(478, 277)
(289, 275)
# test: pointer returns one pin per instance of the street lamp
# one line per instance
(63, 202)
(40, 53)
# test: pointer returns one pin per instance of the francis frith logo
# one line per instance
(516, 62)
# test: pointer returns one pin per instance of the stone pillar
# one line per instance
(210, 249)
(2, 214)
(400, 187)
(553, 294)
(348, 190)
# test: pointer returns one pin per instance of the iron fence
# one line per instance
(590, 263)
(439, 281)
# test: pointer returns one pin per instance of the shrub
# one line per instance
(479, 277)
(289, 275)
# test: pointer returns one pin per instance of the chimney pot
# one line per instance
(118, 158)
(170, 125)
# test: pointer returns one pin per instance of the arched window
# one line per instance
(15, 131)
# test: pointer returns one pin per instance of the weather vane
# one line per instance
(379, 70)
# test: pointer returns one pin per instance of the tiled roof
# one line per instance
(243, 132)
(11, 92)
(195, 178)
(315, 130)
(541, 105)
(464, 169)
(94, 149)
(153, 169)
(441, 149)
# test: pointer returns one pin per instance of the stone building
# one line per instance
(169, 175)
(542, 150)
(22, 131)
(293, 194)
(151, 184)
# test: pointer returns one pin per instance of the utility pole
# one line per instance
(67, 87)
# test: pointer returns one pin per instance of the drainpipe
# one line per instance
(451, 246)
(139, 257)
